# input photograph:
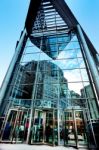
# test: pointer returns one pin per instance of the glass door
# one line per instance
(20, 128)
(80, 125)
(15, 125)
(8, 124)
(37, 128)
(43, 128)
(75, 128)
(69, 129)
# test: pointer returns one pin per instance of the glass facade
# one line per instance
(50, 93)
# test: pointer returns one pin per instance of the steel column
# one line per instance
(11, 67)
(90, 60)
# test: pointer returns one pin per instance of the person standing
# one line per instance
(21, 132)
(48, 132)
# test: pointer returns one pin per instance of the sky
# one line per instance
(12, 18)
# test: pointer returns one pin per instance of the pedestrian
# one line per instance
(21, 132)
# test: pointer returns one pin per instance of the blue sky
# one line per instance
(12, 19)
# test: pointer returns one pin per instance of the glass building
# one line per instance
(50, 94)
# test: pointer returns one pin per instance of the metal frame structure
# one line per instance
(69, 26)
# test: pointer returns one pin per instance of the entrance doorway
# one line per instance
(75, 128)
(15, 125)
(43, 127)
(70, 127)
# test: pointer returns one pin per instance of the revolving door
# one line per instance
(43, 128)
(15, 125)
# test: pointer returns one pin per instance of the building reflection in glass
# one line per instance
(50, 86)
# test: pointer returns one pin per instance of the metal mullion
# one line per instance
(58, 18)
(49, 17)
(50, 13)
(50, 24)
(46, 5)
(28, 53)
(49, 29)
(62, 30)
(61, 24)
(17, 116)
(32, 110)
(53, 126)
(11, 102)
(85, 124)
(56, 70)
(48, 8)
(58, 110)
(75, 128)
(46, 32)
(48, 20)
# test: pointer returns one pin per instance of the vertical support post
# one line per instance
(58, 111)
(65, 119)
(32, 106)
(53, 127)
(90, 60)
(33, 98)
(44, 125)
(58, 121)
(75, 128)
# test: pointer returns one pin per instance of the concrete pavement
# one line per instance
(33, 147)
